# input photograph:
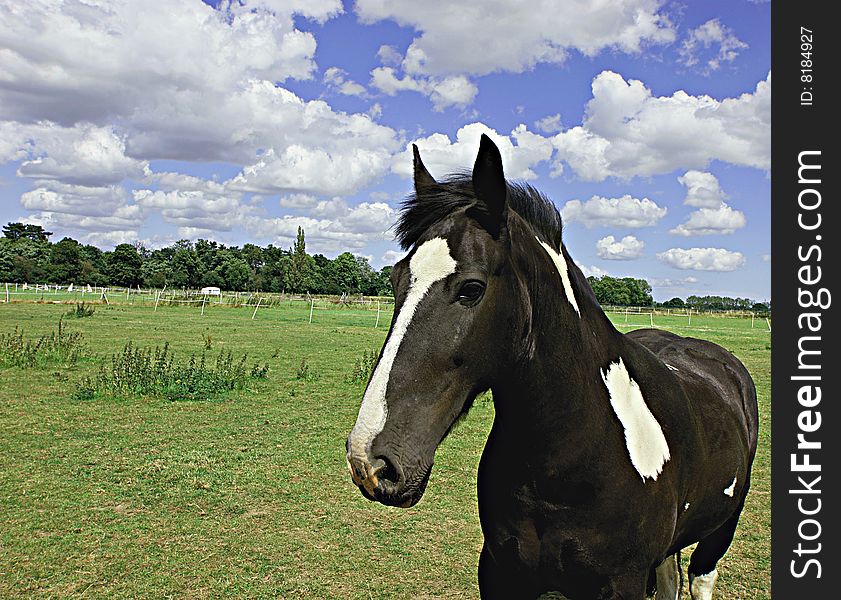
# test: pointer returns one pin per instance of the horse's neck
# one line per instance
(555, 386)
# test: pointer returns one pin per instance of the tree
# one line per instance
(66, 261)
(301, 276)
(346, 272)
(30, 259)
(25, 231)
(233, 272)
(186, 269)
(627, 291)
(674, 303)
(94, 268)
(124, 265)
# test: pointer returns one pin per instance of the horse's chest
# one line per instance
(568, 532)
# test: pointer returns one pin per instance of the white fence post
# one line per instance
(312, 306)
(255, 308)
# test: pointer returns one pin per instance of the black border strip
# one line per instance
(804, 115)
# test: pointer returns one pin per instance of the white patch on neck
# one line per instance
(430, 263)
(561, 265)
(701, 586)
(729, 491)
(643, 435)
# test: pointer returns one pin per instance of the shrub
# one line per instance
(362, 368)
(61, 346)
(80, 310)
(305, 373)
(155, 372)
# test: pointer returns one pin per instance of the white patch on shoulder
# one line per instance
(430, 263)
(644, 437)
(670, 366)
(731, 489)
(701, 586)
(561, 266)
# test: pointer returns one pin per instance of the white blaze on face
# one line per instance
(728, 491)
(430, 263)
(561, 265)
(643, 435)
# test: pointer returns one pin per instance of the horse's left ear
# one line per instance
(489, 183)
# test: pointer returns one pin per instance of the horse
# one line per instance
(608, 453)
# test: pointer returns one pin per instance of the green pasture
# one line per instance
(248, 494)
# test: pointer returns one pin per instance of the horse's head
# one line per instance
(455, 325)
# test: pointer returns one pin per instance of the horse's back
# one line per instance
(702, 365)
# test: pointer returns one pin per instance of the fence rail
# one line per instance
(383, 306)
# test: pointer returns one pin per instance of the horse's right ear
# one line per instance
(423, 180)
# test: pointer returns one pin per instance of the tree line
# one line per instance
(28, 256)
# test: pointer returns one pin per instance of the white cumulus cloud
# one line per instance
(702, 259)
(628, 248)
(702, 189)
(481, 37)
(613, 212)
(714, 217)
(628, 132)
(710, 36)
(709, 221)
(521, 151)
(455, 90)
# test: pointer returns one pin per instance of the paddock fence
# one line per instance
(352, 309)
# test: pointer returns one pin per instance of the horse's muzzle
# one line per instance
(379, 480)
(366, 474)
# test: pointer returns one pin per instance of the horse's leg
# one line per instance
(702, 565)
(630, 586)
(668, 579)
(493, 581)
(497, 582)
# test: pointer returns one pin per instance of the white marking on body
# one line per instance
(668, 579)
(430, 263)
(644, 437)
(686, 507)
(670, 366)
(561, 266)
(701, 586)
(730, 490)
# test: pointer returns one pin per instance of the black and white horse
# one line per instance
(608, 453)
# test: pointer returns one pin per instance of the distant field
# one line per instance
(249, 495)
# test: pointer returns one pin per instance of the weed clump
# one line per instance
(80, 311)
(60, 346)
(305, 373)
(362, 368)
(155, 372)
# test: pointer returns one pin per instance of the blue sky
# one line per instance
(647, 123)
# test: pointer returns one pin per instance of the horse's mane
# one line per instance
(419, 213)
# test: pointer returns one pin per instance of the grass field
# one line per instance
(248, 495)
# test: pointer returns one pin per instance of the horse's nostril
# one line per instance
(386, 471)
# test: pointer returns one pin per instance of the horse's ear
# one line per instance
(423, 180)
(489, 183)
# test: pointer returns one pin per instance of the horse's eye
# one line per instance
(471, 292)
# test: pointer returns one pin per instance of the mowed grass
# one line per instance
(249, 495)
